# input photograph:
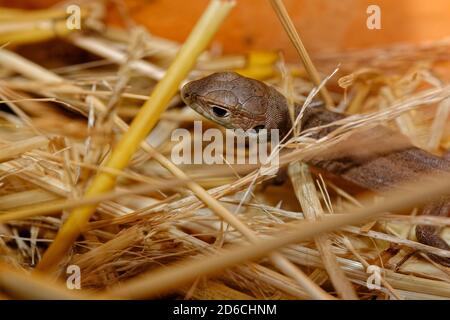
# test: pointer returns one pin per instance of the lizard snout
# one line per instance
(186, 94)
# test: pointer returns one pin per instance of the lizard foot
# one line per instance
(429, 235)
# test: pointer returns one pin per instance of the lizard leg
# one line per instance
(429, 235)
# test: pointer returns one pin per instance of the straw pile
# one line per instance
(197, 232)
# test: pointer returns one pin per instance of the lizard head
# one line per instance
(237, 102)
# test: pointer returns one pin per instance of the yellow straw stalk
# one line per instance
(36, 33)
(145, 120)
(293, 35)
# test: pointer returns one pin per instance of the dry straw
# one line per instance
(143, 123)
(22, 286)
(159, 282)
(71, 229)
(245, 240)
(289, 27)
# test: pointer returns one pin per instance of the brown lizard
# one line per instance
(234, 101)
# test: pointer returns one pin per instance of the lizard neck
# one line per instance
(277, 112)
(314, 115)
(279, 117)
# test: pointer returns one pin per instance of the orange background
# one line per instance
(325, 25)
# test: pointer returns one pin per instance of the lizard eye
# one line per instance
(220, 112)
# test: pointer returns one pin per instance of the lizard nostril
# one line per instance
(185, 94)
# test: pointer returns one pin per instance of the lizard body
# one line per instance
(234, 101)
